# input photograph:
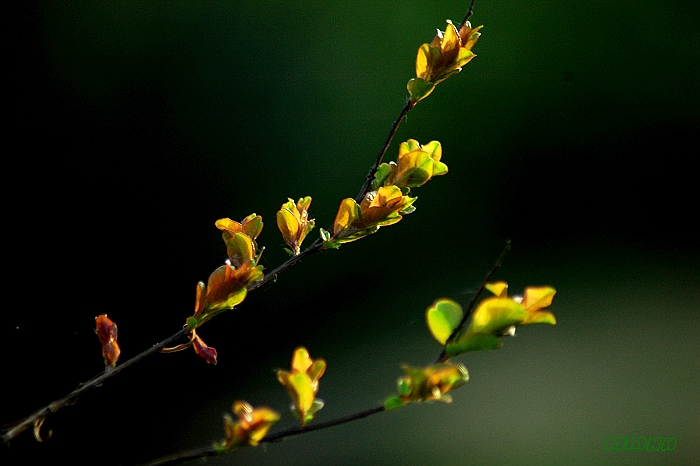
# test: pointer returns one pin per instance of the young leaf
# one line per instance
(472, 342)
(494, 315)
(294, 223)
(249, 430)
(443, 57)
(302, 384)
(429, 383)
(537, 298)
(443, 318)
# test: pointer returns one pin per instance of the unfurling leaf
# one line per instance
(294, 223)
(415, 166)
(240, 239)
(430, 383)
(498, 316)
(302, 384)
(443, 57)
(382, 207)
(536, 299)
(107, 333)
(249, 429)
(225, 289)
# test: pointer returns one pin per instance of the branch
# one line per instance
(472, 302)
(37, 418)
(322, 425)
(370, 175)
(279, 436)
(211, 451)
(469, 14)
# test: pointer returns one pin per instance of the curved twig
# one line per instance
(37, 418)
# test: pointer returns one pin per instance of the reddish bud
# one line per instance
(205, 352)
(107, 333)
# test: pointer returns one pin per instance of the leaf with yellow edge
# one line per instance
(417, 164)
(382, 207)
(419, 89)
(302, 392)
(473, 342)
(494, 315)
(537, 298)
(348, 212)
(252, 225)
(239, 248)
(223, 290)
(287, 223)
(493, 318)
(301, 361)
(443, 318)
(500, 289)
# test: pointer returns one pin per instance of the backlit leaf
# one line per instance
(443, 318)
(473, 342)
(494, 315)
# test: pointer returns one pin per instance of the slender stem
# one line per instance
(472, 302)
(315, 247)
(210, 451)
(38, 416)
(185, 456)
(470, 12)
(370, 175)
(322, 425)
(35, 419)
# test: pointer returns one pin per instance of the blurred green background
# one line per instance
(133, 126)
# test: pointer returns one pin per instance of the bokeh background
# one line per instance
(133, 126)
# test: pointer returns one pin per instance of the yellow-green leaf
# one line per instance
(535, 299)
(472, 342)
(348, 212)
(419, 89)
(494, 315)
(302, 392)
(240, 248)
(443, 317)
(414, 169)
(499, 289)
(287, 223)
(252, 225)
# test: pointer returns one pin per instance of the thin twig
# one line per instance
(322, 425)
(279, 436)
(36, 418)
(314, 247)
(472, 302)
(470, 12)
(370, 175)
(186, 456)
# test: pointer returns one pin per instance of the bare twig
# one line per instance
(469, 14)
(370, 175)
(38, 417)
(279, 436)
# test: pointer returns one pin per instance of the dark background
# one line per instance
(133, 126)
